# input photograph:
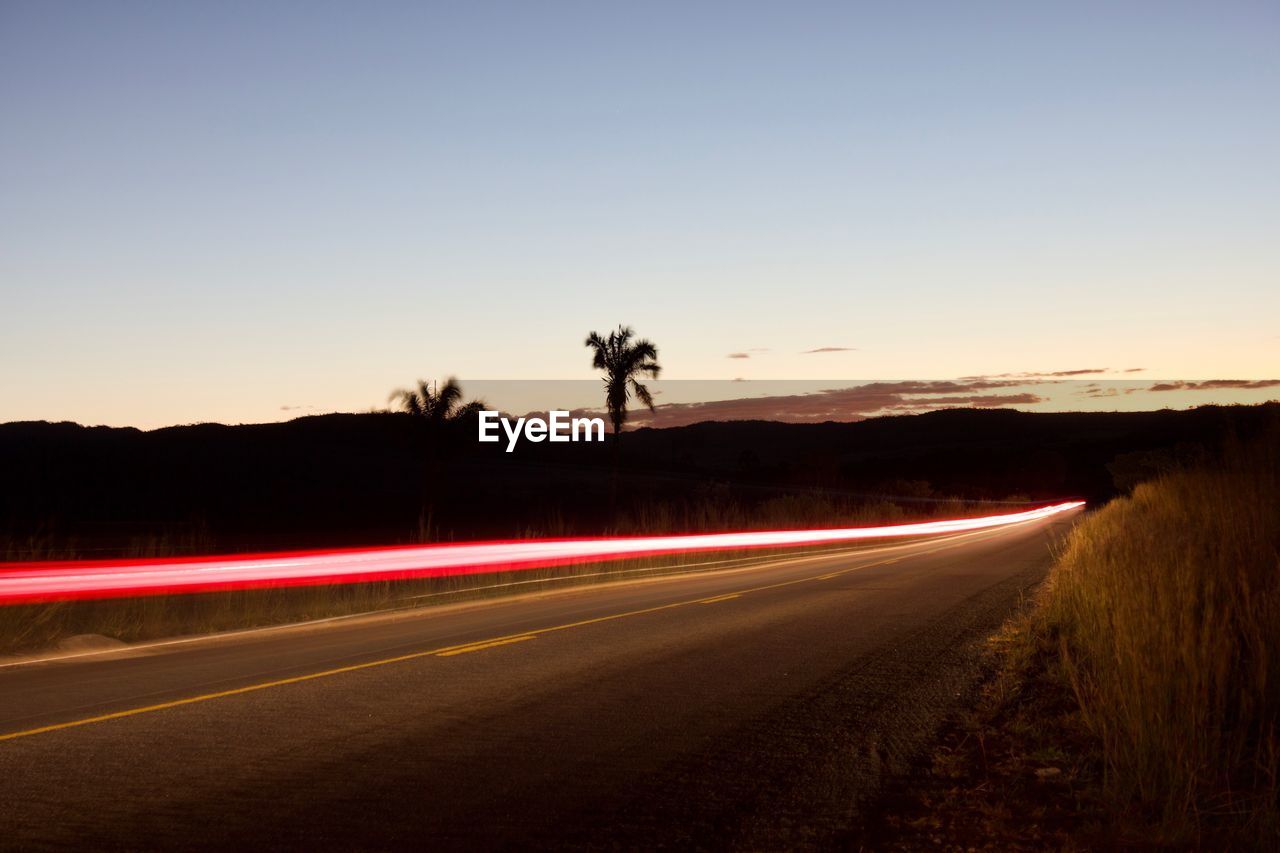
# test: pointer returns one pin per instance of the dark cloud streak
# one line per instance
(1214, 384)
(1052, 374)
(840, 404)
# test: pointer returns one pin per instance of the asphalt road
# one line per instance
(751, 708)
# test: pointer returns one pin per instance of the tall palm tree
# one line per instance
(624, 360)
(439, 405)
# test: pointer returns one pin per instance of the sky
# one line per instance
(242, 211)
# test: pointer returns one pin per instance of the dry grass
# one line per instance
(715, 509)
(1165, 611)
(1134, 703)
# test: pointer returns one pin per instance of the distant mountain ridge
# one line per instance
(369, 478)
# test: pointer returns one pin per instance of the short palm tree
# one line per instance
(438, 405)
(624, 360)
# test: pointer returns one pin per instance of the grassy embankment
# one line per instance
(32, 627)
(1137, 700)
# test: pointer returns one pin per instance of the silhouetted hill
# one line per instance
(368, 478)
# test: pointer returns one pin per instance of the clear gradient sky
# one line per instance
(209, 211)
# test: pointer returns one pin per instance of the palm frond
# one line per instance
(600, 354)
(409, 400)
(642, 394)
(449, 397)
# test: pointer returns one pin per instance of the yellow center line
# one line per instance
(475, 647)
(444, 651)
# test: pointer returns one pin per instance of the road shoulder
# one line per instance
(1017, 770)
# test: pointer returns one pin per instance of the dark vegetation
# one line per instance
(356, 479)
(439, 405)
(1138, 701)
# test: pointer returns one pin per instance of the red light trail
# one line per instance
(58, 581)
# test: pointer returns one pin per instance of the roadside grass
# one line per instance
(716, 511)
(1165, 610)
(1135, 701)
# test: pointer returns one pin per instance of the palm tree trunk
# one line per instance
(616, 454)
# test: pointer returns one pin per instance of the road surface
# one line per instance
(749, 708)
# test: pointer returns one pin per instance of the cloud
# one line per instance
(840, 404)
(738, 355)
(1134, 369)
(1045, 375)
(829, 349)
(1214, 384)
(294, 408)
(975, 401)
